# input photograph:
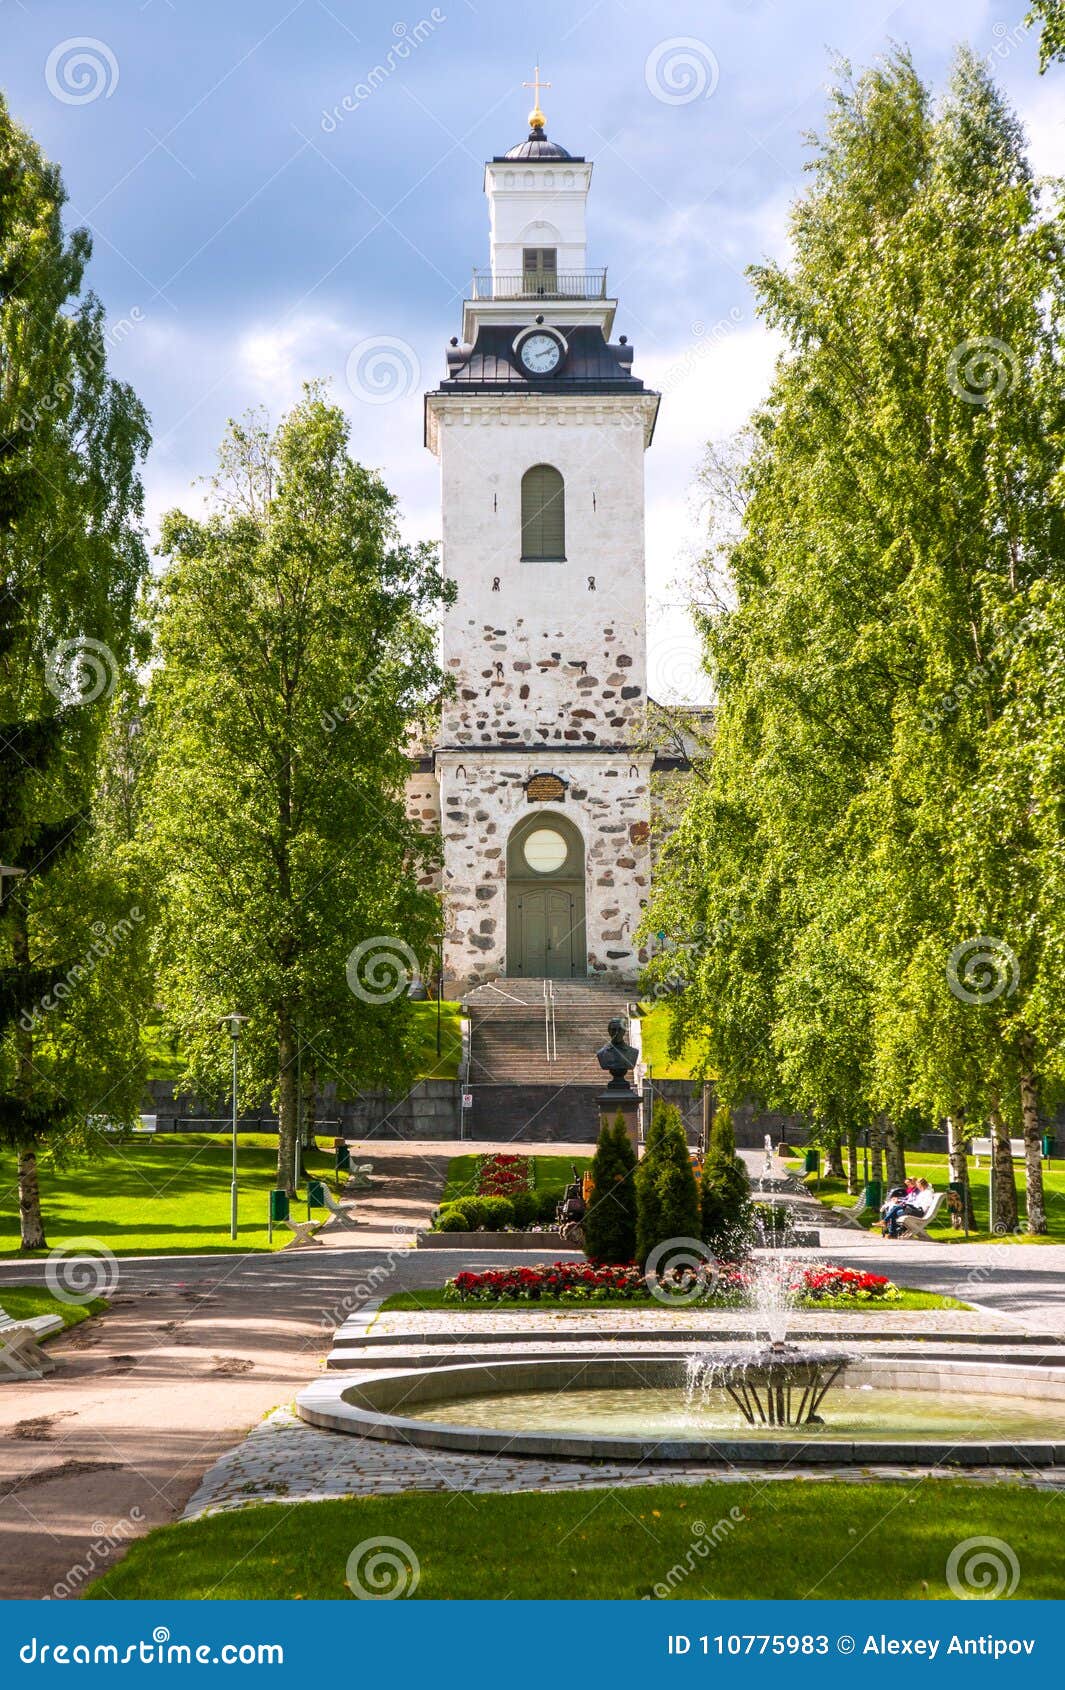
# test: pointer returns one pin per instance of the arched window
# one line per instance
(543, 514)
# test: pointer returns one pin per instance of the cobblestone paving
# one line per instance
(593, 1322)
(284, 1460)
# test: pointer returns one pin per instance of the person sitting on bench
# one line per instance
(918, 1202)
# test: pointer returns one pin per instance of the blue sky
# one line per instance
(246, 238)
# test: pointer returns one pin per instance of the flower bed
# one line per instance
(580, 1282)
(502, 1176)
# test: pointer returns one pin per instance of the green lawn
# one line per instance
(936, 1169)
(780, 1540)
(165, 1194)
(446, 1065)
(406, 1301)
(23, 1302)
(654, 1037)
(550, 1173)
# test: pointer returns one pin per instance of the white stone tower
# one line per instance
(541, 766)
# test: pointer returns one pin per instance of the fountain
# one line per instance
(778, 1385)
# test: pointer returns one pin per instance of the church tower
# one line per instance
(541, 763)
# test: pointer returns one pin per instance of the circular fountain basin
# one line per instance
(625, 1408)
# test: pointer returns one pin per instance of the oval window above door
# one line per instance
(545, 850)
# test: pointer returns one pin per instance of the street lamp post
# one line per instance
(232, 1023)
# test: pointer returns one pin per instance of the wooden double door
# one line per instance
(547, 932)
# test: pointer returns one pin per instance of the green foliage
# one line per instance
(724, 1204)
(72, 561)
(722, 1136)
(453, 1220)
(610, 1223)
(1050, 14)
(667, 1197)
(889, 739)
(296, 644)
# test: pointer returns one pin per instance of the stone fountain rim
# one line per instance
(332, 1402)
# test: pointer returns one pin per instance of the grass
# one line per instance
(550, 1173)
(935, 1168)
(654, 1037)
(407, 1301)
(163, 1195)
(446, 1065)
(23, 1302)
(710, 1541)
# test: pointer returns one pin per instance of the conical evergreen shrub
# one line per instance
(667, 1197)
(610, 1223)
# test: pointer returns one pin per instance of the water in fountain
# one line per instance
(772, 1383)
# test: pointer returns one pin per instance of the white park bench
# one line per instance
(359, 1177)
(984, 1147)
(343, 1214)
(20, 1354)
(304, 1232)
(916, 1226)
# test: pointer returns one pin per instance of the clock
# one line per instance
(540, 352)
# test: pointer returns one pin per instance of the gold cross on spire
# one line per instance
(537, 120)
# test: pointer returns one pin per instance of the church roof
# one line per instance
(538, 149)
(592, 364)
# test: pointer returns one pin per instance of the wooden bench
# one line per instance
(304, 1232)
(20, 1355)
(343, 1214)
(916, 1226)
(985, 1147)
(359, 1177)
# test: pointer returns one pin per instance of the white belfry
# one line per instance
(540, 770)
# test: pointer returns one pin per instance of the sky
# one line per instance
(280, 190)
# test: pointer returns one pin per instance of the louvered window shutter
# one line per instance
(543, 514)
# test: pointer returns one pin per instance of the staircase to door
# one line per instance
(533, 1071)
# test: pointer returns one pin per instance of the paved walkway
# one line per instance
(284, 1460)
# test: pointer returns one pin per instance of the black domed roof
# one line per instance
(539, 149)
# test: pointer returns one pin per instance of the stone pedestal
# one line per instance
(619, 1096)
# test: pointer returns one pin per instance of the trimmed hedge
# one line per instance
(494, 1214)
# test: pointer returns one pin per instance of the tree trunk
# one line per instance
(894, 1154)
(287, 1104)
(959, 1166)
(1033, 1160)
(310, 1107)
(876, 1164)
(1005, 1186)
(852, 1162)
(31, 1220)
(834, 1157)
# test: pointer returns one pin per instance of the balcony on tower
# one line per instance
(541, 279)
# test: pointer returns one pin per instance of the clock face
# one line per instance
(540, 354)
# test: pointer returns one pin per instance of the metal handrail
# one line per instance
(546, 284)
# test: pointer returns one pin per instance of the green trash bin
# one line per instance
(810, 1165)
(1049, 1145)
(279, 1205)
(874, 1195)
(315, 1194)
(342, 1157)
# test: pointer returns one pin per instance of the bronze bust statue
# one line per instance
(618, 1057)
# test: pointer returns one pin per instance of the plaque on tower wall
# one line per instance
(545, 789)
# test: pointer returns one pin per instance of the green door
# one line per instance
(545, 899)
